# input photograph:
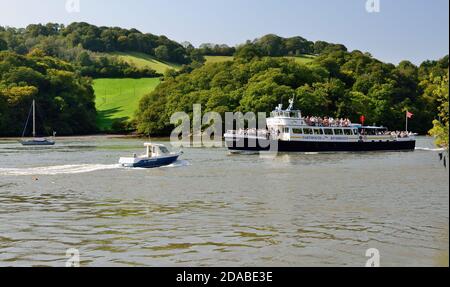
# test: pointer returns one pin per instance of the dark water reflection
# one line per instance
(220, 209)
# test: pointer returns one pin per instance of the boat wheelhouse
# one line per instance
(292, 133)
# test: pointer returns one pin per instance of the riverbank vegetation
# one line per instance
(65, 100)
(89, 47)
(337, 83)
(439, 89)
(59, 64)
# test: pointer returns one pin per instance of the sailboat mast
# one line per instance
(34, 119)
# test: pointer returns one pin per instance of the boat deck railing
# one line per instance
(250, 132)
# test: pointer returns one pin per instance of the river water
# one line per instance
(216, 209)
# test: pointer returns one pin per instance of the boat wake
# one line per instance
(55, 170)
(179, 163)
(429, 149)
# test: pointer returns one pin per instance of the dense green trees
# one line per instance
(65, 100)
(209, 49)
(3, 45)
(276, 46)
(337, 83)
(111, 39)
(439, 88)
(86, 46)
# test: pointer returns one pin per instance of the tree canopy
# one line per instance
(337, 83)
(65, 100)
(439, 89)
(276, 46)
(50, 61)
(87, 46)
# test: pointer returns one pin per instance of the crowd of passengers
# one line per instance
(327, 122)
(398, 134)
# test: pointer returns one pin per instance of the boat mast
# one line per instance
(34, 119)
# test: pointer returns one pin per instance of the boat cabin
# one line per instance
(154, 150)
(372, 131)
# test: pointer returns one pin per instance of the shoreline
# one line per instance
(111, 136)
(107, 136)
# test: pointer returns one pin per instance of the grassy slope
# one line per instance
(141, 60)
(218, 59)
(118, 99)
(304, 59)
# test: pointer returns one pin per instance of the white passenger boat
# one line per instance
(290, 132)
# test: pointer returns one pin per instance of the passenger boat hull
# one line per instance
(244, 144)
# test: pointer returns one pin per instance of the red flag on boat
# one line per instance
(409, 115)
(362, 119)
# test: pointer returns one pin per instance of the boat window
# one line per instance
(286, 130)
(308, 131)
(297, 131)
(295, 115)
(318, 131)
(164, 149)
(328, 131)
(338, 132)
(355, 131)
(348, 132)
(371, 132)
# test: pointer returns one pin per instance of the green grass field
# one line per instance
(218, 59)
(141, 60)
(303, 59)
(118, 99)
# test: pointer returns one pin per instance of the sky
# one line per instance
(391, 30)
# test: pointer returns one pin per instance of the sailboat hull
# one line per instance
(38, 143)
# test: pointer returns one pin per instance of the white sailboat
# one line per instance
(35, 141)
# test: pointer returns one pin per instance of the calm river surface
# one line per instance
(216, 209)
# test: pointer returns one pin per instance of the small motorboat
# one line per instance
(156, 155)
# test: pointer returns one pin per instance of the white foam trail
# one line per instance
(429, 149)
(55, 170)
(179, 163)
